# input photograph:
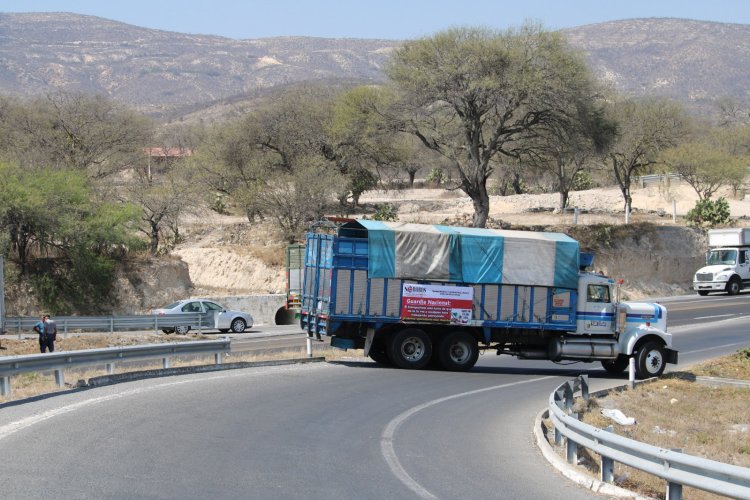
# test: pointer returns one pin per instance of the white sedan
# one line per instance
(217, 316)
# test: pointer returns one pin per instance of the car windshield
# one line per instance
(172, 305)
(727, 257)
(211, 306)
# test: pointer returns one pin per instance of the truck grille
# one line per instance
(704, 277)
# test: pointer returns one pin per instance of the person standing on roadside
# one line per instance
(50, 333)
(47, 332)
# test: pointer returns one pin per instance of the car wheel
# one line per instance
(182, 329)
(649, 360)
(734, 286)
(238, 325)
(410, 348)
(458, 351)
(167, 330)
(617, 365)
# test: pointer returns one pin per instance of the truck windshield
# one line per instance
(728, 257)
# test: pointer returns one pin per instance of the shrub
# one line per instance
(709, 213)
(386, 212)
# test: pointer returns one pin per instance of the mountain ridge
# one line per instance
(169, 74)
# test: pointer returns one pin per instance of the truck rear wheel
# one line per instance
(458, 352)
(650, 360)
(617, 365)
(379, 353)
(410, 348)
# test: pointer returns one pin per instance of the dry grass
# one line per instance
(674, 413)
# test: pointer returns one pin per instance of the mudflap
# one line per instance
(368, 340)
(671, 356)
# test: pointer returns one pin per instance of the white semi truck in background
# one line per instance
(727, 266)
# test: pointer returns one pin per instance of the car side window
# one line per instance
(191, 307)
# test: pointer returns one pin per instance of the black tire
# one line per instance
(410, 348)
(182, 329)
(379, 353)
(618, 365)
(734, 286)
(167, 330)
(458, 351)
(650, 360)
(223, 330)
(702, 293)
(238, 325)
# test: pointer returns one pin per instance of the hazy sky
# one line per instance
(389, 19)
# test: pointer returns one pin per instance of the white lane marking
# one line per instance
(714, 316)
(386, 438)
(713, 348)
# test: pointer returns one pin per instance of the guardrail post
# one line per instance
(631, 372)
(571, 451)
(309, 347)
(110, 368)
(608, 464)
(59, 378)
(584, 386)
(65, 329)
(674, 490)
(165, 363)
(4, 386)
(218, 358)
(568, 397)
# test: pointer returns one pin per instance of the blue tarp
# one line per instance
(470, 255)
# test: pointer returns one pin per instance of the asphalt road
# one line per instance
(333, 430)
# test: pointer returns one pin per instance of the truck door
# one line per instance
(743, 265)
(596, 313)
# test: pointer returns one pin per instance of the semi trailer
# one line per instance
(415, 295)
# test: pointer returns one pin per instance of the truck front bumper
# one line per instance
(709, 286)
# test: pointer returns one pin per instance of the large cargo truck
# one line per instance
(414, 295)
(727, 266)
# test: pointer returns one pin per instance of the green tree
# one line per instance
(644, 128)
(471, 94)
(704, 167)
(88, 133)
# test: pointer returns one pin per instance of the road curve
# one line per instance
(348, 429)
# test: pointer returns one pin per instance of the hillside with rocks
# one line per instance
(174, 75)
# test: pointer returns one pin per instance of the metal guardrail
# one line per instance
(647, 179)
(111, 324)
(58, 361)
(677, 468)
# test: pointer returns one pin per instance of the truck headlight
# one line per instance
(722, 277)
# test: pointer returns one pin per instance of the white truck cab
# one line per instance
(727, 266)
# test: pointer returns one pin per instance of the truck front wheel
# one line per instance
(410, 348)
(458, 351)
(734, 286)
(650, 360)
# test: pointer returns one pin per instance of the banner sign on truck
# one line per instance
(451, 304)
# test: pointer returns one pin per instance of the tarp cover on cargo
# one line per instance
(470, 255)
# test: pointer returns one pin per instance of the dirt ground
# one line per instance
(217, 247)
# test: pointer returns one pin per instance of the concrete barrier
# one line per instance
(267, 309)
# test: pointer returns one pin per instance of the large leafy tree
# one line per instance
(472, 94)
(644, 129)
